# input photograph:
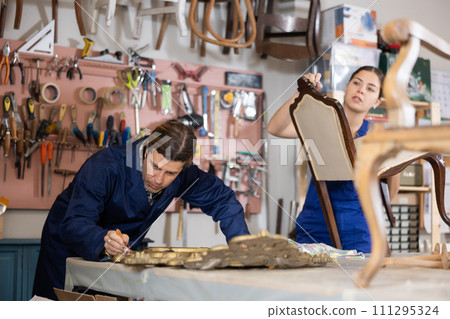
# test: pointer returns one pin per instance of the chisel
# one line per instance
(43, 159)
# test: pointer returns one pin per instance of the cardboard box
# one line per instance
(351, 25)
(405, 199)
(419, 85)
(411, 176)
(342, 60)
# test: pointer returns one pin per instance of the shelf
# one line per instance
(422, 189)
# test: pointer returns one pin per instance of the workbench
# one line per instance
(330, 282)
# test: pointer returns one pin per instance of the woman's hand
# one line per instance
(116, 243)
(315, 78)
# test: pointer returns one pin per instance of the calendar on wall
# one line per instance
(440, 91)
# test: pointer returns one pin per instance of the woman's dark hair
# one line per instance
(175, 141)
(373, 69)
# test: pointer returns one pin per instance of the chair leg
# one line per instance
(386, 202)
(204, 28)
(324, 197)
(229, 25)
(438, 167)
(162, 31)
(367, 184)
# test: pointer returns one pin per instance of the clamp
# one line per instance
(15, 60)
(71, 72)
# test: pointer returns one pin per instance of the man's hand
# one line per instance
(116, 243)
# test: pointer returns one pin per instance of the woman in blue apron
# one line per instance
(362, 93)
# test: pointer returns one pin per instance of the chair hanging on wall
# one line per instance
(271, 26)
(382, 143)
(176, 7)
(232, 42)
(322, 121)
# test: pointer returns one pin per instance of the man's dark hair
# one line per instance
(175, 141)
(372, 69)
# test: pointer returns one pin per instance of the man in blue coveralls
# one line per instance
(107, 194)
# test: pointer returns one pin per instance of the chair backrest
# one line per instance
(308, 29)
(324, 133)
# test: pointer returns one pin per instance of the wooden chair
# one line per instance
(232, 42)
(324, 132)
(271, 25)
(382, 143)
(176, 7)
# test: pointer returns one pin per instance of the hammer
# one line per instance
(64, 172)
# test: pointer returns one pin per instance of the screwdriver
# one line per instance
(6, 145)
(43, 159)
(61, 142)
(49, 173)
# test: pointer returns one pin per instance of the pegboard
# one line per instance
(26, 193)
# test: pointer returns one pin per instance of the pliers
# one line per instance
(4, 58)
(20, 64)
(70, 74)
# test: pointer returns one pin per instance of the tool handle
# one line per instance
(99, 107)
(50, 150)
(23, 109)
(31, 108)
(62, 112)
(73, 112)
(19, 141)
(101, 138)
(43, 153)
(7, 143)
(79, 135)
(42, 112)
(53, 112)
(34, 128)
(2, 131)
(110, 123)
(65, 132)
(89, 132)
(88, 43)
(64, 172)
(105, 138)
(122, 126)
(6, 105)
(13, 128)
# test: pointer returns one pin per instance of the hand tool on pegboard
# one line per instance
(49, 172)
(54, 65)
(26, 147)
(62, 112)
(132, 79)
(43, 161)
(6, 147)
(15, 60)
(4, 58)
(33, 127)
(34, 88)
(41, 133)
(74, 68)
(90, 130)
(60, 145)
(64, 173)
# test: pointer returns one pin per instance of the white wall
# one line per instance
(279, 83)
